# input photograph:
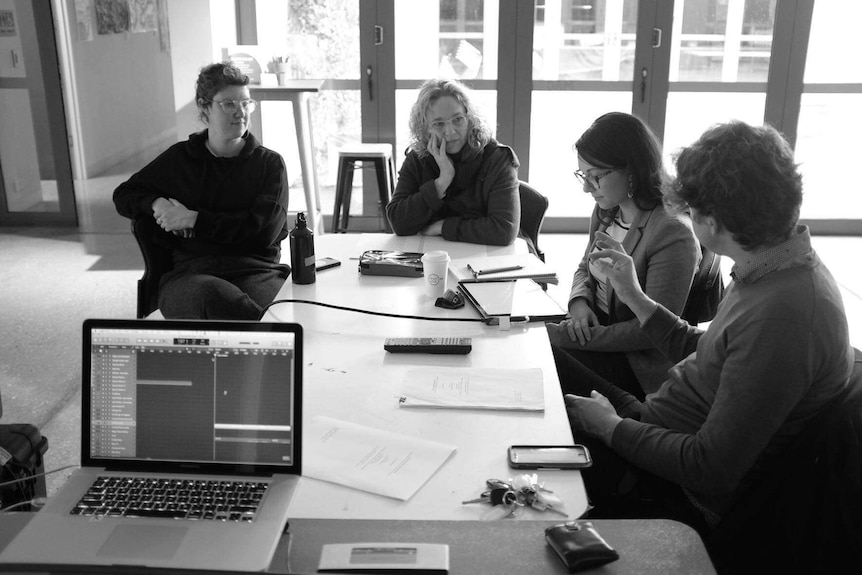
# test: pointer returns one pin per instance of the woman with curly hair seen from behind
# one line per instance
(456, 181)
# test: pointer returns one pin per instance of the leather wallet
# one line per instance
(579, 546)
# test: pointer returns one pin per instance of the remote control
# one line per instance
(460, 345)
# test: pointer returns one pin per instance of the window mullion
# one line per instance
(787, 65)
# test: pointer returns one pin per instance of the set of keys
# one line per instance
(524, 490)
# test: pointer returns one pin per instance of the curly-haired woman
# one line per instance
(456, 180)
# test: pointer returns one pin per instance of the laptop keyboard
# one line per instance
(172, 498)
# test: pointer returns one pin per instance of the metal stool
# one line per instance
(378, 154)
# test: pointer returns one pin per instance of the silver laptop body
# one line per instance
(204, 401)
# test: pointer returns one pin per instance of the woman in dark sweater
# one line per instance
(456, 180)
(220, 202)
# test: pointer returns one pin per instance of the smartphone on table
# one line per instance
(325, 263)
(549, 456)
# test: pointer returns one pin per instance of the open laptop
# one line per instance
(207, 405)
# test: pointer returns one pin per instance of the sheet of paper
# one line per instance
(459, 388)
(370, 459)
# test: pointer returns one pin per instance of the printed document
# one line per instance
(460, 388)
(370, 459)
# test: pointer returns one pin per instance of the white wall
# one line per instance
(223, 26)
(199, 29)
(125, 95)
(191, 49)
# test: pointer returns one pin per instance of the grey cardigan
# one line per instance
(666, 255)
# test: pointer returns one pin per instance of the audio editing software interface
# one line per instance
(168, 395)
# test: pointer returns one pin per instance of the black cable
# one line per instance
(369, 312)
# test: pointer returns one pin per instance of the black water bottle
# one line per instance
(302, 252)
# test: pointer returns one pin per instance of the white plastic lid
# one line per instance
(436, 256)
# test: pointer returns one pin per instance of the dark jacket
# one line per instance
(481, 206)
(241, 201)
(666, 254)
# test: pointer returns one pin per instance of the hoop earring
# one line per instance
(631, 187)
(473, 140)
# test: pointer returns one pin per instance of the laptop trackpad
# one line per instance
(143, 542)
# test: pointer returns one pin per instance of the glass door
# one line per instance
(583, 60)
(319, 41)
(720, 58)
(35, 168)
(544, 70)
(444, 38)
(830, 122)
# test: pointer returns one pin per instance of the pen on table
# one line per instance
(496, 270)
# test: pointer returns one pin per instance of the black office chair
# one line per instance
(533, 208)
(157, 261)
(706, 291)
(805, 516)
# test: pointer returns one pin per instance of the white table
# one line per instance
(343, 285)
(349, 376)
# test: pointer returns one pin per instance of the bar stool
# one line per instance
(380, 155)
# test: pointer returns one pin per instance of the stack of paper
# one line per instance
(458, 388)
(481, 269)
(371, 459)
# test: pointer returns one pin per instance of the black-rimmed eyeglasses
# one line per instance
(592, 179)
(231, 106)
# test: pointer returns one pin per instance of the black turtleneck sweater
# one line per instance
(241, 201)
(482, 204)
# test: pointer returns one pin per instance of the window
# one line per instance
(829, 119)
(584, 59)
(719, 65)
(583, 66)
(448, 39)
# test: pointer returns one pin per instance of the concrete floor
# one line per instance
(53, 279)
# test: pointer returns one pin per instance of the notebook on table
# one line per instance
(519, 300)
(210, 409)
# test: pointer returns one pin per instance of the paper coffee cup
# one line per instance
(435, 267)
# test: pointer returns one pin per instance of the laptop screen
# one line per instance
(192, 395)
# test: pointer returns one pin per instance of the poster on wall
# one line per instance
(112, 16)
(83, 21)
(143, 15)
(7, 23)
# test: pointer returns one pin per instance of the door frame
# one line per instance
(45, 45)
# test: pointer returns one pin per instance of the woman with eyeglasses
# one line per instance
(620, 165)
(220, 202)
(456, 180)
